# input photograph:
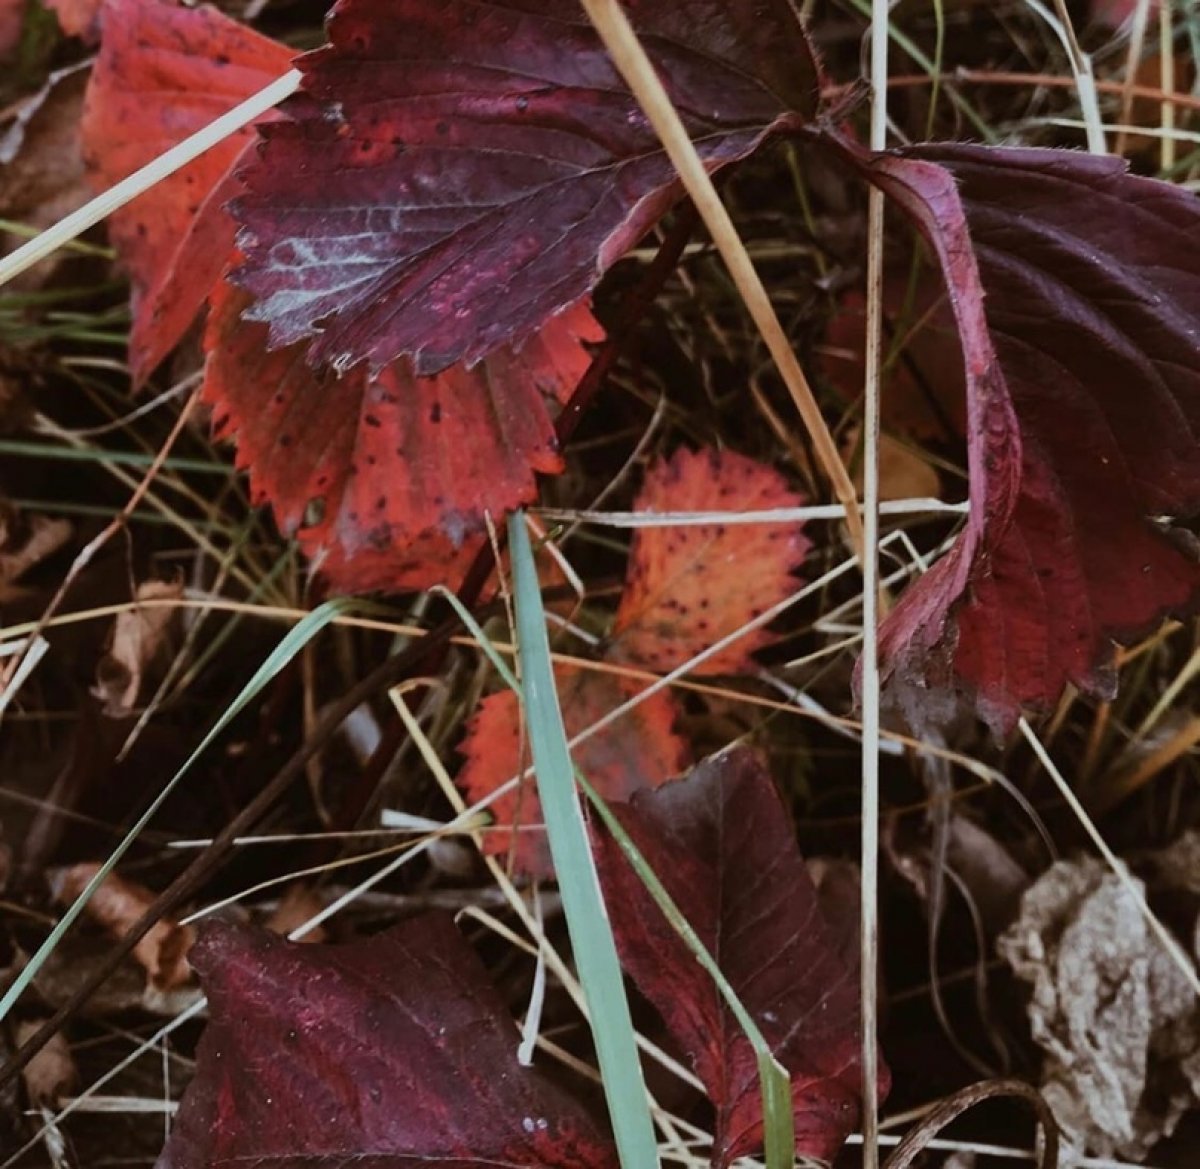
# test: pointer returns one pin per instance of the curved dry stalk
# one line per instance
(917, 1140)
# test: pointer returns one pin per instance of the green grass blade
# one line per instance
(778, 1124)
(579, 884)
(295, 640)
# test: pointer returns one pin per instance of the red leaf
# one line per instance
(469, 169)
(12, 17)
(688, 586)
(163, 73)
(1083, 410)
(639, 750)
(721, 843)
(78, 18)
(385, 478)
(922, 394)
(387, 1052)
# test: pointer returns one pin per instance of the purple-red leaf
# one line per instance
(455, 174)
(1076, 289)
(384, 1053)
(721, 843)
(384, 478)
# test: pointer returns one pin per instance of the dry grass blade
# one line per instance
(631, 60)
(870, 696)
(142, 180)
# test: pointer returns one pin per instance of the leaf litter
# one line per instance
(389, 401)
(1115, 1017)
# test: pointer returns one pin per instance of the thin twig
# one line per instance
(918, 1139)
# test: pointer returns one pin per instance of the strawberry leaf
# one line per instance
(163, 73)
(385, 478)
(390, 1052)
(721, 844)
(1076, 288)
(687, 586)
(639, 750)
(923, 382)
(454, 175)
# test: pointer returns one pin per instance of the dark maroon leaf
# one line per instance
(1076, 288)
(457, 173)
(382, 1054)
(721, 842)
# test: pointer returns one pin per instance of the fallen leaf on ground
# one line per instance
(639, 750)
(1115, 1017)
(983, 870)
(116, 905)
(688, 586)
(26, 540)
(78, 18)
(902, 474)
(299, 904)
(52, 1073)
(163, 73)
(923, 379)
(389, 1052)
(385, 478)
(838, 883)
(141, 640)
(454, 176)
(41, 164)
(721, 843)
(1076, 287)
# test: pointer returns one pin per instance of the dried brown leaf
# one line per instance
(1116, 1018)
(52, 1073)
(141, 637)
(115, 906)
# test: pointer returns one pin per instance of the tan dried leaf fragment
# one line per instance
(51, 1075)
(1115, 1017)
(24, 542)
(140, 641)
(299, 904)
(115, 906)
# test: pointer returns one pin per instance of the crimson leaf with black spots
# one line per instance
(454, 175)
(384, 478)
